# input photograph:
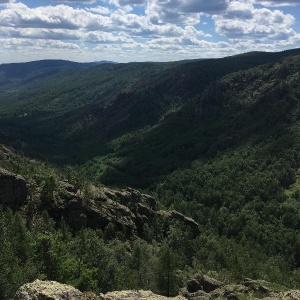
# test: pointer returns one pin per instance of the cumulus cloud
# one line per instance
(82, 1)
(126, 6)
(130, 2)
(183, 11)
(17, 44)
(204, 6)
(19, 15)
(244, 21)
(274, 3)
(37, 33)
(6, 1)
(239, 10)
(101, 10)
(106, 38)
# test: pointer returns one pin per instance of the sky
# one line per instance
(144, 30)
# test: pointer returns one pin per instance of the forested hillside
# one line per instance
(17, 75)
(78, 114)
(216, 140)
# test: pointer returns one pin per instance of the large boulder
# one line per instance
(203, 282)
(138, 295)
(13, 189)
(290, 295)
(47, 290)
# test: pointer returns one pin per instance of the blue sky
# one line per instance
(144, 30)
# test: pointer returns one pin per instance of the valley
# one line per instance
(128, 166)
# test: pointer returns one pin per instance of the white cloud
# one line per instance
(75, 1)
(6, 1)
(37, 33)
(18, 44)
(274, 3)
(204, 6)
(18, 15)
(18, 50)
(129, 2)
(125, 6)
(244, 21)
(101, 10)
(106, 38)
(183, 11)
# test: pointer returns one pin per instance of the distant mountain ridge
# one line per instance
(17, 74)
(22, 73)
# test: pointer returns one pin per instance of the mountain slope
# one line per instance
(245, 107)
(18, 74)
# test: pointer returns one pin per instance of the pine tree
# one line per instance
(167, 279)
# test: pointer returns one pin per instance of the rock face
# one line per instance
(13, 189)
(126, 210)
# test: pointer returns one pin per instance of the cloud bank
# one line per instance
(126, 30)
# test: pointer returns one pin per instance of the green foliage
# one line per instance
(223, 150)
(143, 259)
(16, 265)
(48, 189)
(168, 282)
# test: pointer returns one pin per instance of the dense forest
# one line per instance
(216, 140)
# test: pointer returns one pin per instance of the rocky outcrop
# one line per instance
(202, 287)
(137, 295)
(52, 290)
(13, 189)
(127, 210)
(248, 290)
(47, 290)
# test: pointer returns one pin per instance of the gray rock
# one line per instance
(208, 284)
(47, 290)
(193, 286)
(289, 295)
(173, 214)
(52, 290)
(144, 210)
(150, 201)
(257, 286)
(199, 295)
(13, 189)
(203, 287)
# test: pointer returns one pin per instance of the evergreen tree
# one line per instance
(166, 277)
